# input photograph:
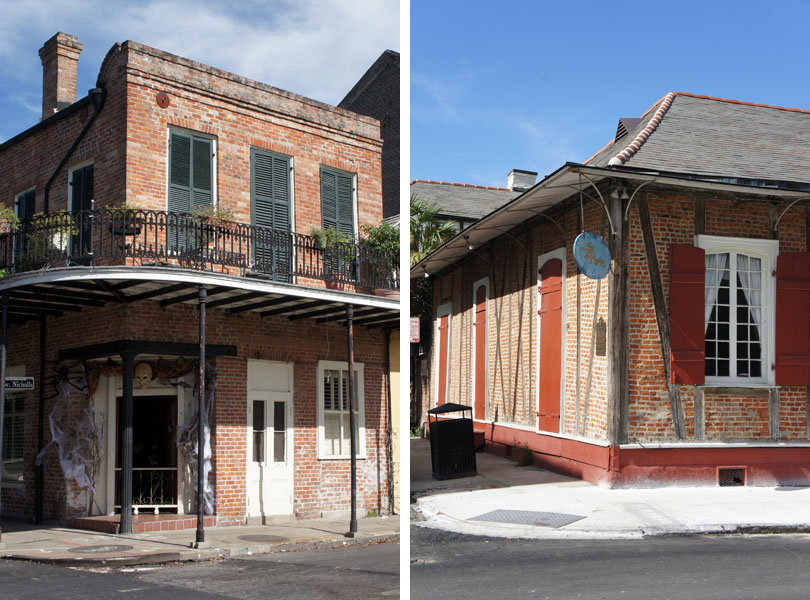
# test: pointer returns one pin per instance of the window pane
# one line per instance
(258, 431)
(279, 432)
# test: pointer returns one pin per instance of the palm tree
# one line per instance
(428, 232)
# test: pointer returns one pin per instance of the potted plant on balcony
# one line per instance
(383, 238)
(122, 219)
(47, 239)
(9, 223)
(337, 265)
(213, 223)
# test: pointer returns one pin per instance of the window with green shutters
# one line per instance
(337, 201)
(271, 213)
(191, 182)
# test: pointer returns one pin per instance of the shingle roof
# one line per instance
(460, 200)
(714, 136)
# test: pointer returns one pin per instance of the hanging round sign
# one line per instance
(592, 255)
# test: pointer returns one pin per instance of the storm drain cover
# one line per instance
(262, 538)
(100, 549)
(529, 517)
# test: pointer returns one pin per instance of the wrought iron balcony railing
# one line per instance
(148, 237)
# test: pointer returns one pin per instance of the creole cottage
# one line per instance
(688, 362)
(177, 249)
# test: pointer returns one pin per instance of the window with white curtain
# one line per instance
(739, 309)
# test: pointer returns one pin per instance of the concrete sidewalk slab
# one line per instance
(520, 493)
(73, 547)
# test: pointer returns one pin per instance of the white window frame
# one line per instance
(485, 282)
(214, 154)
(559, 253)
(359, 384)
(766, 251)
(441, 311)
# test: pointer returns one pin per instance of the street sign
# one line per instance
(19, 383)
(414, 330)
(592, 255)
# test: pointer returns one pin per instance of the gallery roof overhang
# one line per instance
(54, 292)
(568, 181)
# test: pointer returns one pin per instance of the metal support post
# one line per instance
(3, 343)
(352, 420)
(125, 485)
(200, 539)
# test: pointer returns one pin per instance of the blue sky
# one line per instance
(533, 84)
(318, 48)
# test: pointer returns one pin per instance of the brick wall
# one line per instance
(512, 328)
(510, 263)
(321, 486)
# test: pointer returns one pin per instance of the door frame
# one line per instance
(484, 281)
(254, 392)
(114, 388)
(442, 311)
(559, 253)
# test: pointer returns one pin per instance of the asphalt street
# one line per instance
(702, 567)
(351, 573)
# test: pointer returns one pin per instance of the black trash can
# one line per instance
(452, 446)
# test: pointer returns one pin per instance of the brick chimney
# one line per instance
(60, 59)
(520, 181)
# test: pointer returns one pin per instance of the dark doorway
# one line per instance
(154, 454)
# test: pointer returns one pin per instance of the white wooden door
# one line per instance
(270, 474)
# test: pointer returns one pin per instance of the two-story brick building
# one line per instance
(223, 187)
(688, 361)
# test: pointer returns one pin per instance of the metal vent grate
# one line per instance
(529, 517)
(730, 476)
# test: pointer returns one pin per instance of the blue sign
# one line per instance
(592, 255)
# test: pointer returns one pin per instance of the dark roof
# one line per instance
(713, 136)
(460, 200)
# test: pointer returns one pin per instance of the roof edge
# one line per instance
(623, 156)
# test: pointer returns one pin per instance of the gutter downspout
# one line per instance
(390, 425)
(97, 96)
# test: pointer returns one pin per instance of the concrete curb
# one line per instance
(159, 558)
(506, 530)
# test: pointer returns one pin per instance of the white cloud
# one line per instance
(318, 48)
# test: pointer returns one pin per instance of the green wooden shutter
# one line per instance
(271, 211)
(190, 184)
(179, 173)
(202, 173)
(337, 201)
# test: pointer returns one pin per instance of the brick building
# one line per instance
(688, 362)
(175, 209)
(376, 95)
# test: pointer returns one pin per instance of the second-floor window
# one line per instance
(337, 201)
(191, 180)
(271, 212)
(81, 203)
(25, 206)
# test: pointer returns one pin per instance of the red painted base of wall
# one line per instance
(617, 467)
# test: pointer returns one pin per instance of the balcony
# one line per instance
(142, 238)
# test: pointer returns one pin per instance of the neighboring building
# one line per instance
(376, 95)
(689, 362)
(461, 204)
(103, 299)
(464, 203)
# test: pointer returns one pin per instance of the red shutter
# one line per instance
(686, 326)
(793, 319)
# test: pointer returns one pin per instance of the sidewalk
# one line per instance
(74, 547)
(505, 500)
